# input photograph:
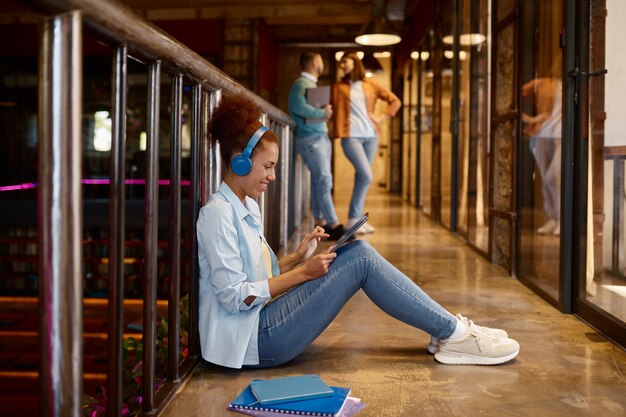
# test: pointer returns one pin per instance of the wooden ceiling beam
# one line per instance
(314, 11)
(317, 20)
(152, 4)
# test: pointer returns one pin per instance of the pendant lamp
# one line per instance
(378, 32)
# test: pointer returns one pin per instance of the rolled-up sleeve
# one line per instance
(219, 242)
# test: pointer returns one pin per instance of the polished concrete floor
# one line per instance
(564, 368)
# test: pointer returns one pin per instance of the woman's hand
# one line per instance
(307, 247)
(318, 265)
(378, 119)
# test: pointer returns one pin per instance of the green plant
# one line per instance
(95, 405)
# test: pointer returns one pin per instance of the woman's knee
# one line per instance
(357, 248)
(364, 177)
(324, 181)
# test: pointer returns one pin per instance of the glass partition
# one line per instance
(604, 283)
(426, 127)
(478, 114)
(540, 184)
(446, 126)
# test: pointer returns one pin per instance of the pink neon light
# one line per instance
(103, 181)
(24, 186)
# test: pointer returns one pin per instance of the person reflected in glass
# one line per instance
(258, 311)
(353, 99)
(544, 129)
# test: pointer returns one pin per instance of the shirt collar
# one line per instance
(248, 207)
(309, 76)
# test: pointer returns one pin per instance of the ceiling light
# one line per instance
(378, 32)
(450, 54)
(466, 39)
(384, 54)
(424, 55)
(340, 54)
(415, 55)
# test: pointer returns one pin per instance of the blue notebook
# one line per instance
(324, 407)
(290, 388)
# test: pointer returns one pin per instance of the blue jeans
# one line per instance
(316, 153)
(360, 152)
(547, 153)
(290, 323)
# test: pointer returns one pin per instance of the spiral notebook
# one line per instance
(323, 407)
(351, 407)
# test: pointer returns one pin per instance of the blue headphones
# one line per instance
(241, 164)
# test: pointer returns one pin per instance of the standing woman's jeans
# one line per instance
(291, 322)
(316, 154)
(360, 152)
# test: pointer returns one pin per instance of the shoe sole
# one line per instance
(472, 360)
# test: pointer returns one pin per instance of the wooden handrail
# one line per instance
(145, 41)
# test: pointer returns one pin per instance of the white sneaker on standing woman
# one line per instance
(363, 229)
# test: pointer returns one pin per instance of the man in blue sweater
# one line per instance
(313, 144)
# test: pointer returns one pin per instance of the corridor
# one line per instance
(564, 368)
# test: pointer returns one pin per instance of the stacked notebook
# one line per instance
(297, 395)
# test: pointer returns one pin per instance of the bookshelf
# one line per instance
(19, 263)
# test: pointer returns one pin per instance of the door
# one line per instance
(600, 154)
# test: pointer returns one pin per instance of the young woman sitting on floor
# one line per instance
(258, 311)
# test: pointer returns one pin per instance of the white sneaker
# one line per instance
(368, 228)
(433, 346)
(548, 228)
(361, 230)
(477, 348)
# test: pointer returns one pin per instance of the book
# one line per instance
(317, 97)
(324, 407)
(291, 388)
(351, 407)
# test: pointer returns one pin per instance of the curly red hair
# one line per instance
(233, 123)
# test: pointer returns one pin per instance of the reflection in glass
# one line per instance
(605, 284)
(541, 149)
(464, 121)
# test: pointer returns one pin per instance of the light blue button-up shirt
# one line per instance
(232, 268)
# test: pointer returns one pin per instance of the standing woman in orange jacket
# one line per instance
(353, 99)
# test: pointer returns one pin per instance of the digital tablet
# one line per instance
(349, 233)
